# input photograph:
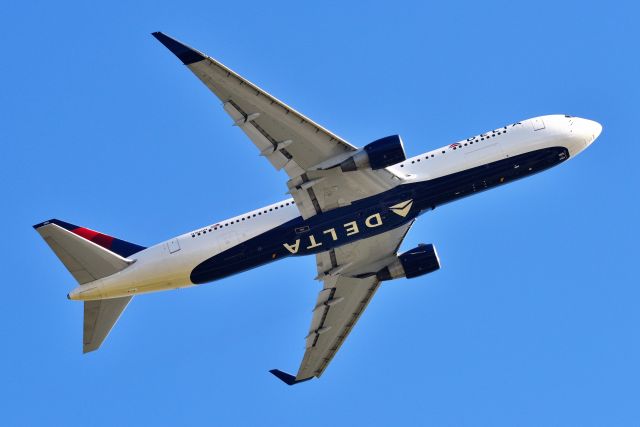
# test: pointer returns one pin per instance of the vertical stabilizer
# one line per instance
(87, 254)
(90, 255)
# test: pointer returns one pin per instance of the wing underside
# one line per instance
(308, 153)
(289, 140)
(349, 283)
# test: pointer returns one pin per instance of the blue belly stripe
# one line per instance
(426, 195)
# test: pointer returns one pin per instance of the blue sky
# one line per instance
(533, 319)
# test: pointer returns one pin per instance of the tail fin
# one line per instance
(87, 254)
(90, 255)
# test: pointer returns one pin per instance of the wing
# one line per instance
(348, 287)
(287, 139)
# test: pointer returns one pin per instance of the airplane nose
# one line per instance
(590, 130)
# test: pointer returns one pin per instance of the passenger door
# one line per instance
(538, 124)
(173, 246)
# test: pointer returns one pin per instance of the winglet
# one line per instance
(184, 53)
(288, 379)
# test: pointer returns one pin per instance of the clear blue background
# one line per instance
(533, 319)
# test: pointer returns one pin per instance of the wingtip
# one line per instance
(288, 379)
(184, 53)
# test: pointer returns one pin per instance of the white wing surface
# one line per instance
(290, 141)
(348, 274)
(310, 155)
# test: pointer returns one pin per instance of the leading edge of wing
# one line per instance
(189, 56)
(186, 54)
(288, 379)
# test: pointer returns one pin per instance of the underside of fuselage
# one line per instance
(371, 216)
(351, 207)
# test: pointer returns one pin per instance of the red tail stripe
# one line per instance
(97, 238)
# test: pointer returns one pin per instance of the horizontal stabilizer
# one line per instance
(99, 318)
(287, 378)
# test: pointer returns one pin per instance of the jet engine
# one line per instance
(416, 262)
(378, 154)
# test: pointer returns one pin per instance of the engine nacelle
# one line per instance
(379, 154)
(416, 262)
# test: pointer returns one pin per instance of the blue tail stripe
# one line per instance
(115, 245)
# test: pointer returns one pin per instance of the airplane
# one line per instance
(350, 207)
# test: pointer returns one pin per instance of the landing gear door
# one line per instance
(173, 245)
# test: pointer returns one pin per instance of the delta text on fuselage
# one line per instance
(350, 207)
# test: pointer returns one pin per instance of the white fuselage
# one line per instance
(168, 265)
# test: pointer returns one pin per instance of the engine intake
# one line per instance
(413, 263)
(378, 154)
